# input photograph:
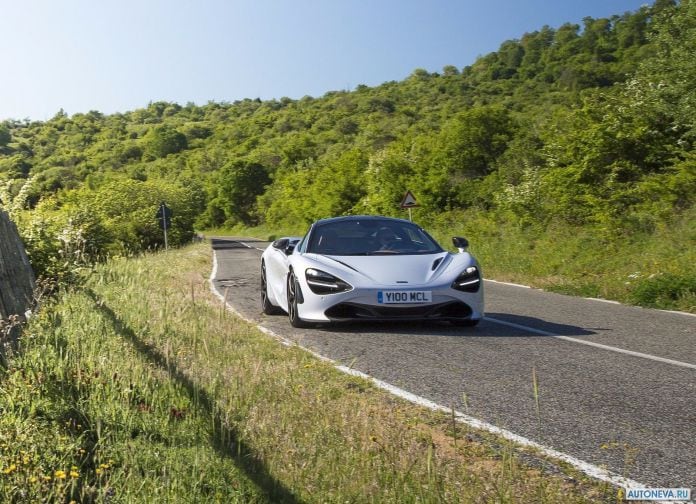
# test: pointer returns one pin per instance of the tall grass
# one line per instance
(136, 387)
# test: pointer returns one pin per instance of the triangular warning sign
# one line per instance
(409, 200)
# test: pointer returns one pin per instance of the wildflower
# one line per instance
(46, 478)
(74, 474)
(59, 474)
(33, 479)
(98, 471)
(9, 470)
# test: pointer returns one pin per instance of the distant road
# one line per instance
(617, 384)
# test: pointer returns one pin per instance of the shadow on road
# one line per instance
(228, 243)
(487, 328)
(554, 328)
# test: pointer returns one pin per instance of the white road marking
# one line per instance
(591, 343)
(587, 468)
(609, 301)
(507, 283)
(251, 246)
(679, 313)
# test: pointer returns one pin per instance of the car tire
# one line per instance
(266, 306)
(465, 322)
(293, 302)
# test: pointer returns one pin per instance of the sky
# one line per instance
(120, 55)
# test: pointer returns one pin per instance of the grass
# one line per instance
(137, 387)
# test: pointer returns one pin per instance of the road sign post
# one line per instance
(164, 215)
(409, 201)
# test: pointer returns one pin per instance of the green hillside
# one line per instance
(567, 157)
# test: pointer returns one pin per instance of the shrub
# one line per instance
(663, 290)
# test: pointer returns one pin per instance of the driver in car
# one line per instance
(386, 238)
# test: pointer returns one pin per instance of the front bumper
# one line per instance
(362, 304)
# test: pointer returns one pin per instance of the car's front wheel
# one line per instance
(266, 306)
(293, 302)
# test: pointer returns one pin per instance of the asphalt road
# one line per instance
(625, 401)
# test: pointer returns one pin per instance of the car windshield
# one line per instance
(370, 237)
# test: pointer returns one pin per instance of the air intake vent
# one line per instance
(436, 263)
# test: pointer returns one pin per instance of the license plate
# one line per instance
(403, 297)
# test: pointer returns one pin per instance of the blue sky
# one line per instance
(115, 56)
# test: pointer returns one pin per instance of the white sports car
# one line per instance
(370, 268)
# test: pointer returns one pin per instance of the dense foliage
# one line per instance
(579, 128)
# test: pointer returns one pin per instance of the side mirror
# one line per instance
(461, 243)
(281, 244)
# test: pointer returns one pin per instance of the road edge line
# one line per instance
(632, 353)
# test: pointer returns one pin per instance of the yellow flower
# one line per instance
(74, 474)
(33, 479)
(98, 471)
(46, 478)
(9, 470)
(59, 474)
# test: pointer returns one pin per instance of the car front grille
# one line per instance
(451, 310)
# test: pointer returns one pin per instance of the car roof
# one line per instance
(349, 218)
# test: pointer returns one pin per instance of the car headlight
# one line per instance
(321, 282)
(468, 280)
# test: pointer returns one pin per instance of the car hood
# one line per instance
(393, 270)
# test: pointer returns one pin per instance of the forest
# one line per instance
(567, 157)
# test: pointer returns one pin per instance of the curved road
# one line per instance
(616, 384)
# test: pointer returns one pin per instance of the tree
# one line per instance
(667, 81)
(240, 183)
(163, 140)
(5, 136)
(470, 143)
